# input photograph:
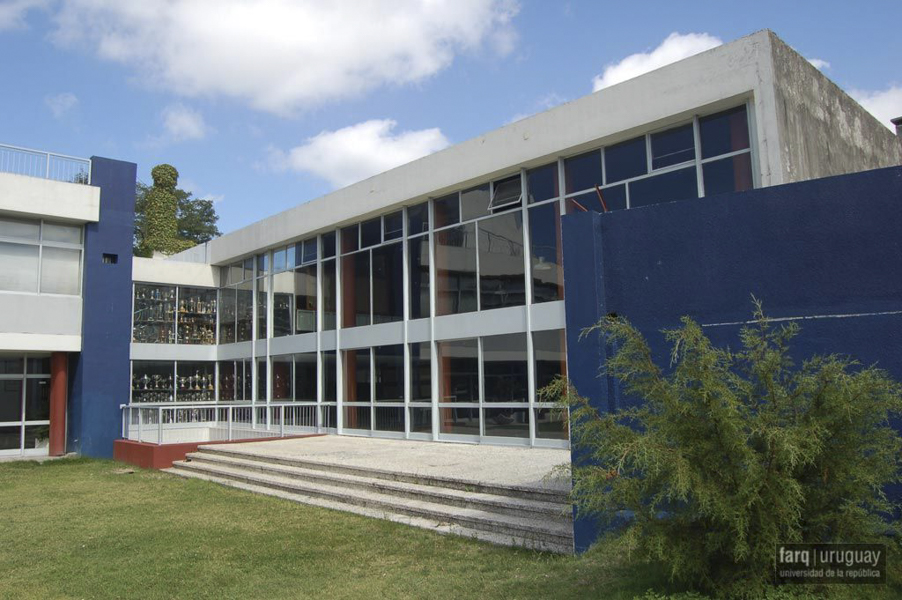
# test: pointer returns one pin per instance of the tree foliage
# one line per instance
(195, 218)
(731, 453)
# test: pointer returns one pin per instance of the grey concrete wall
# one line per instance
(823, 131)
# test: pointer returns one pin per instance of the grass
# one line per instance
(78, 528)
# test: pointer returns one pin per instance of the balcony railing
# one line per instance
(168, 424)
(47, 165)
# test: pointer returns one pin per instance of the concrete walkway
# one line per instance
(499, 465)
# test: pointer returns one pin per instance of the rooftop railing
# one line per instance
(47, 165)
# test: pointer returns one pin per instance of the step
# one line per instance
(549, 511)
(516, 491)
(550, 532)
(441, 527)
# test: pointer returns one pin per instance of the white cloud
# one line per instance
(354, 153)
(12, 12)
(284, 55)
(676, 47)
(819, 64)
(883, 104)
(61, 104)
(181, 123)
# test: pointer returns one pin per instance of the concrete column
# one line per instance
(59, 383)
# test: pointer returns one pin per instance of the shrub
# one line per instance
(731, 453)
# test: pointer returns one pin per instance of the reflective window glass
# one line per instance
(667, 187)
(724, 132)
(305, 376)
(507, 193)
(474, 202)
(501, 269)
(371, 232)
(328, 244)
(446, 210)
(350, 238)
(11, 365)
(542, 183)
(20, 229)
(625, 160)
(153, 381)
(11, 438)
(393, 226)
(11, 400)
(262, 285)
(330, 379)
(418, 218)
(546, 253)
(195, 381)
(262, 264)
(309, 255)
(283, 285)
(459, 371)
(552, 423)
(418, 257)
(60, 271)
(355, 289)
(506, 422)
(245, 321)
(357, 417)
(672, 147)
(227, 313)
(39, 366)
(291, 256)
(458, 421)
(196, 316)
(248, 269)
(505, 368)
(420, 372)
(733, 174)
(279, 260)
(388, 283)
(389, 363)
(550, 353)
(357, 375)
(583, 172)
(67, 234)
(154, 314)
(18, 267)
(455, 270)
(420, 420)
(227, 381)
(261, 380)
(282, 378)
(389, 419)
(330, 305)
(305, 298)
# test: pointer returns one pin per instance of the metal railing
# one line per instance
(47, 165)
(168, 424)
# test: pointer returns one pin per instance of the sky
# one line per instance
(264, 104)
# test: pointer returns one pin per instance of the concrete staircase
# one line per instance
(532, 518)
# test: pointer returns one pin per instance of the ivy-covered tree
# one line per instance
(730, 453)
(195, 218)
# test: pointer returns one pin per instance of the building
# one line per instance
(430, 302)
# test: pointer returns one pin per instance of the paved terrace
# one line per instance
(479, 464)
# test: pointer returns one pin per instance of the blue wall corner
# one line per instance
(99, 375)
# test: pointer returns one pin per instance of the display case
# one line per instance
(196, 381)
(154, 314)
(196, 316)
(152, 381)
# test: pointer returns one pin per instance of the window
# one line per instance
(389, 367)
(330, 302)
(459, 371)
(154, 316)
(418, 276)
(504, 368)
(583, 172)
(388, 283)
(305, 377)
(549, 350)
(196, 316)
(371, 233)
(507, 193)
(542, 183)
(350, 239)
(262, 287)
(393, 226)
(283, 295)
(24, 405)
(501, 270)
(546, 253)
(227, 315)
(455, 270)
(355, 289)
(418, 219)
(474, 202)
(732, 174)
(672, 147)
(625, 160)
(724, 132)
(329, 244)
(195, 381)
(420, 372)
(305, 296)
(153, 381)
(40, 257)
(446, 210)
(282, 378)
(666, 187)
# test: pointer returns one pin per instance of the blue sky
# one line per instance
(265, 104)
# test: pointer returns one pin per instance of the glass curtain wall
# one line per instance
(24, 405)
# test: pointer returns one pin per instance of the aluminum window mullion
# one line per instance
(433, 346)
(405, 318)
(699, 177)
(339, 325)
(480, 359)
(527, 263)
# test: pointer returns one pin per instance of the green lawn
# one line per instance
(77, 528)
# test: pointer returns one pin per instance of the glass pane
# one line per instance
(393, 226)
(197, 316)
(291, 256)
(446, 210)
(724, 132)
(195, 381)
(154, 316)
(505, 368)
(667, 187)
(614, 199)
(371, 232)
(507, 192)
(507, 422)
(68, 234)
(283, 287)
(282, 378)
(732, 174)
(39, 366)
(37, 437)
(228, 311)
(546, 253)
(389, 363)
(262, 286)
(245, 297)
(37, 399)
(501, 270)
(329, 416)
(329, 300)
(262, 264)
(388, 283)
(550, 352)
(421, 420)
(236, 273)
(625, 160)
(542, 183)
(20, 229)
(309, 250)
(305, 298)
(357, 375)
(153, 381)
(350, 239)
(459, 371)
(418, 219)
(455, 270)
(248, 269)
(460, 421)
(18, 267)
(672, 147)
(389, 419)
(261, 380)
(305, 376)
(10, 400)
(474, 202)
(330, 379)
(328, 244)
(11, 366)
(418, 255)
(355, 289)
(245, 381)
(60, 271)
(279, 260)
(420, 372)
(583, 172)
(357, 417)
(552, 424)
(227, 381)
(11, 438)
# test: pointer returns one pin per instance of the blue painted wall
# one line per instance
(828, 250)
(99, 375)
